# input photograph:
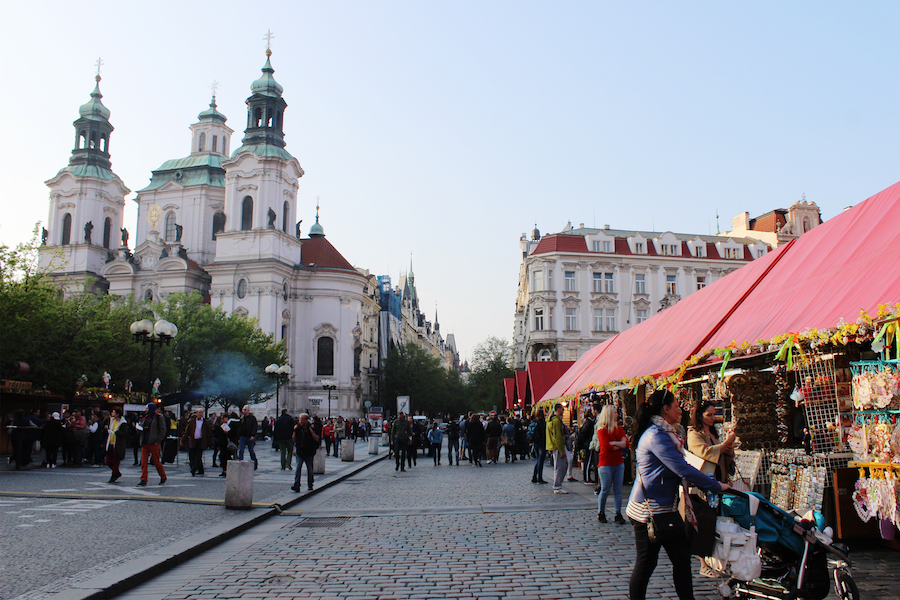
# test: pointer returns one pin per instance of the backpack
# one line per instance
(532, 434)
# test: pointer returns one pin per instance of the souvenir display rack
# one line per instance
(818, 390)
(875, 434)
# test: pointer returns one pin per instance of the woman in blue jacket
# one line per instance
(661, 471)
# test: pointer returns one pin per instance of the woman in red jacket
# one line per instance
(610, 465)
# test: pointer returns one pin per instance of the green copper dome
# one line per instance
(211, 114)
(266, 85)
(94, 109)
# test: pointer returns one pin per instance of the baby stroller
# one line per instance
(795, 552)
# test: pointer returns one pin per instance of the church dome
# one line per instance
(94, 108)
(211, 114)
(316, 230)
(266, 85)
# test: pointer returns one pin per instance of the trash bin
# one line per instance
(239, 484)
(373, 444)
(319, 461)
(347, 450)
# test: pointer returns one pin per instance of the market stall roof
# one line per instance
(542, 375)
(830, 273)
(522, 386)
(509, 392)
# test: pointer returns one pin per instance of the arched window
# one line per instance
(218, 224)
(202, 143)
(325, 356)
(107, 231)
(247, 214)
(148, 296)
(82, 140)
(170, 226)
(103, 143)
(66, 229)
(93, 140)
(544, 356)
(268, 117)
(284, 216)
(257, 117)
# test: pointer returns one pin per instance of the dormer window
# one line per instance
(698, 251)
(639, 248)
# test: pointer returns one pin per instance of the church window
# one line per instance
(285, 212)
(325, 356)
(148, 296)
(215, 139)
(218, 225)
(257, 117)
(242, 289)
(66, 229)
(103, 143)
(82, 140)
(278, 119)
(107, 231)
(247, 214)
(268, 117)
(202, 144)
(170, 226)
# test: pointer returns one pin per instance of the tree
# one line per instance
(490, 365)
(411, 371)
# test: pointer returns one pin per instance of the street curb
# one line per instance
(132, 574)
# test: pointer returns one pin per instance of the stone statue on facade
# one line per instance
(88, 228)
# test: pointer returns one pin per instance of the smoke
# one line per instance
(230, 375)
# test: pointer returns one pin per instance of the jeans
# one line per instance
(539, 463)
(679, 551)
(337, 446)
(249, 443)
(436, 452)
(559, 468)
(610, 478)
(453, 450)
(308, 461)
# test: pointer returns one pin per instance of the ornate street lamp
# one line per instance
(328, 385)
(280, 375)
(146, 331)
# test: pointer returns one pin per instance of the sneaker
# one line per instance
(571, 479)
(601, 517)
(142, 483)
(560, 491)
(619, 519)
(706, 571)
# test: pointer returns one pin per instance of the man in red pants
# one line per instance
(153, 433)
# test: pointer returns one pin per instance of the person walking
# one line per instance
(436, 438)
(400, 434)
(224, 433)
(306, 443)
(493, 430)
(282, 432)
(463, 438)
(476, 438)
(116, 442)
(51, 438)
(556, 444)
(153, 430)
(197, 437)
(452, 432)
(611, 440)
(508, 440)
(249, 426)
(661, 471)
(339, 430)
(538, 430)
(586, 434)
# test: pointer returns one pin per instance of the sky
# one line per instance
(439, 132)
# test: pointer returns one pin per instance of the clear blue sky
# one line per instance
(444, 130)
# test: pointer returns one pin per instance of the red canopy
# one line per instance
(830, 273)
(509, 393)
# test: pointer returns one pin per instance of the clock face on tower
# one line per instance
(153, 216)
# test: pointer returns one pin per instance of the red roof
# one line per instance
(830, 273)
(559, 242)
(509, 393)
(318, 251)
(542, 376)
(522, 386)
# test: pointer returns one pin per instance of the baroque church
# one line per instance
(226, 226)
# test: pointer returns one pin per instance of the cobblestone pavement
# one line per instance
(442, 532)
(70, 526)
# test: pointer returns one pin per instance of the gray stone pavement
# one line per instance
(441, 532)
(74, 532)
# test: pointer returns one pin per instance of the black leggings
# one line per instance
(679, 551)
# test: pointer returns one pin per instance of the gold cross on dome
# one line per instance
(268, 37)
(98, 64)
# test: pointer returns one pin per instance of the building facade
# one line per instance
(581, 286)
(224, 223)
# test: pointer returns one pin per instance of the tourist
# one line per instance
(116, 442)
(306, 443)
(611, 440)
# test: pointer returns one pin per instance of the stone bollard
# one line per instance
(373, 444)
(347, 450)
(319, 461)
(239, 484)
(384, 440)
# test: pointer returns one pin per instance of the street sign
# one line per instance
(403, 404)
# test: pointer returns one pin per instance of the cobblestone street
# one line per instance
(432, 532)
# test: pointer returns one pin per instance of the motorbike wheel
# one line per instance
(845, 587)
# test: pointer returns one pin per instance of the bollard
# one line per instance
(239, 484)
(347, 450)
(373, 444)
(385, 441)
(319, 461)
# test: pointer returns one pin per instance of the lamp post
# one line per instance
(280, 375)
(146, 331)
(328, 385)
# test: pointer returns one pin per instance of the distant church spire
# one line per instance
(92, 130)
(317, 230)
(265, 107)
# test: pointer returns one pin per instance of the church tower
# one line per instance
(87, 201)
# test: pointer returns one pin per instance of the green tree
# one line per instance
(490, 365)
(411, 371)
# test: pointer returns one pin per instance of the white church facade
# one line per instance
(223, 224)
